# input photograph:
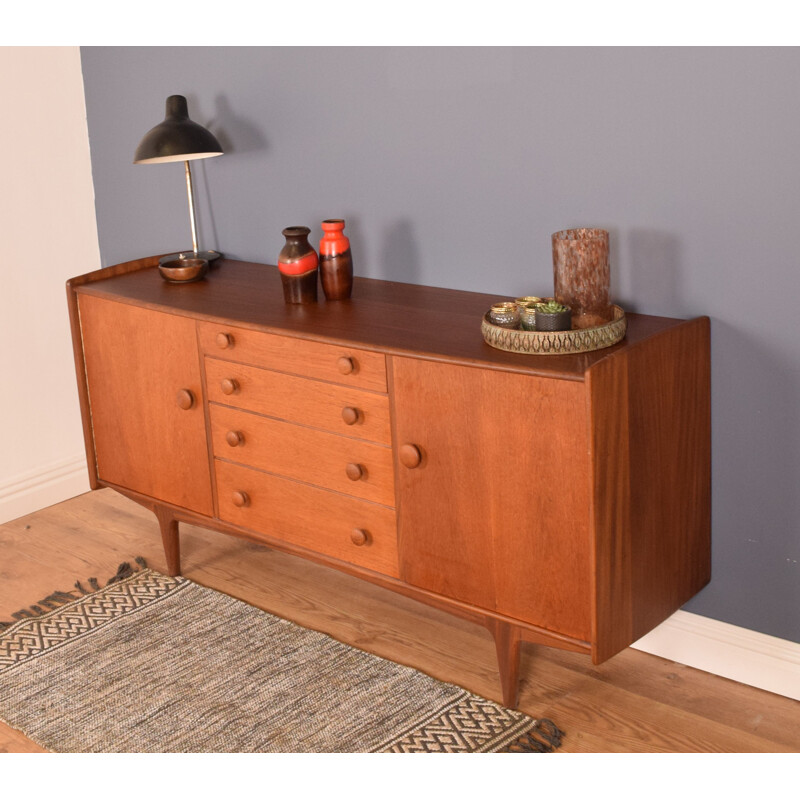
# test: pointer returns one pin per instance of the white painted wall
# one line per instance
(48, 234)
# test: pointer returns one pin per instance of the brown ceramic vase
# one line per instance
(298, 265)
(335, 261)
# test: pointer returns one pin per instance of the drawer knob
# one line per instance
(359, 537)
(240, 499)
(350, 415)
(354, 471)
(346, 365)
(185, 399)
(410, 456)
(229, 386)
(224, 341)
(234, 438)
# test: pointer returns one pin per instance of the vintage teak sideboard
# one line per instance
(560, 500)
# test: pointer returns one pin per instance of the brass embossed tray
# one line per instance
(552, 343)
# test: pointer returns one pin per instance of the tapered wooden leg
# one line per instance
(507, 641)
(172, 543)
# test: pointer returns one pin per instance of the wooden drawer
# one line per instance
(351, 466)
(313, 518)
(341, 364)
(314, 403)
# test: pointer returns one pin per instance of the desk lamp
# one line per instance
(177, 138)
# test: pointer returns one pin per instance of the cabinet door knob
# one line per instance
(354, 471)
(410, 456)
(229, 385)
(359, 537)
(224, 341)
(346, 365)
(350, 415)
(240, 499)
(234, 438)
(185, 399)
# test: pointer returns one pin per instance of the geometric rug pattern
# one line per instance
(152, 663)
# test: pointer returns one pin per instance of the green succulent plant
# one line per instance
(551, 307)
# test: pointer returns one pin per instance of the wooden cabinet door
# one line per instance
(143, 371)
(497, 512)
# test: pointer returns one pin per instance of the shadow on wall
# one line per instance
(656, 272)
(653, 275)
(756, 472)
(229, 129)
(400, 254)
(206, 225)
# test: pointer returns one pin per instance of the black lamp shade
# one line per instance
(177, 138)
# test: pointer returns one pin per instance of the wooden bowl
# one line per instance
(183, 270)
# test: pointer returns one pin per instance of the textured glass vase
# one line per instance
(581, 275)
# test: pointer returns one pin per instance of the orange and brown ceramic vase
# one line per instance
(298, 264)
(335, 261)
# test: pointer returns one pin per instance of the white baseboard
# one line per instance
(43, 487)
(727, 650)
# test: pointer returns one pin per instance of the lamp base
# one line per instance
(207, 255)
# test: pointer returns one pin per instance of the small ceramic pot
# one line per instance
(553, 320)
(505, 315)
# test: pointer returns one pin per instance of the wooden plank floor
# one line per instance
(634, 703)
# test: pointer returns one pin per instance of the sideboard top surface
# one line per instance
(398, 318)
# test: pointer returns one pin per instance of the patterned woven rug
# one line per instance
(162, 665)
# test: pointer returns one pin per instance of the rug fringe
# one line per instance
(547, 739)
(59, 598)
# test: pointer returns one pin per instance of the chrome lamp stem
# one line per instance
(192, 217)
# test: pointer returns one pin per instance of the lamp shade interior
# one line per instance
(177, 138)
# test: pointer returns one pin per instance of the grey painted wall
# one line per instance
(452, 168)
